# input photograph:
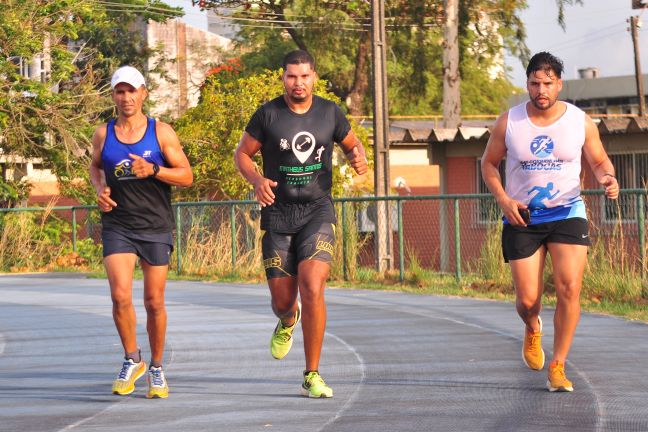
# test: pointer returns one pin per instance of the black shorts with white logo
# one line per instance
(283, 252)
(520, 242)
(154, 248)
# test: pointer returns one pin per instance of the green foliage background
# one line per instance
(211, 131)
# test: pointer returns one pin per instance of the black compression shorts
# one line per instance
(520, 242)
(283, 252)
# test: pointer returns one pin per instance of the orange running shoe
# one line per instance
(557, 380)
(532, 353)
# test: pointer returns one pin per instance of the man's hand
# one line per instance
(511, 209)
(611, 186)
(357, 161)
(263, 191)
(140, 167)
(104, 201)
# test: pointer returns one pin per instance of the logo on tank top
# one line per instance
(542, 193)
(123, 170)
(542, 146)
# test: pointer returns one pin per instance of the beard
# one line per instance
(541, 107)
(298, 98)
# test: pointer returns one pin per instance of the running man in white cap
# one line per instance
(135, 161)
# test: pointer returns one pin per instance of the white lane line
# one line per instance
(87, 419)
(356, 392)
(434, 314)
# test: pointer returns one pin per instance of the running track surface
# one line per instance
(396, 362)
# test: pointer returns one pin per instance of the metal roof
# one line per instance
(600, 88)
(422, 133)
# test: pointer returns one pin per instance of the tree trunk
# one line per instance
(451, 78)
(356, 95)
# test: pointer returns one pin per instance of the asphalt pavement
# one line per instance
(396, 362)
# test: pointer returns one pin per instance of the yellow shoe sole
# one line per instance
(130, 389)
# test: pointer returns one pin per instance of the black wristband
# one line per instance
(156, 170)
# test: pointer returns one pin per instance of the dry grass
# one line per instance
(25, 244)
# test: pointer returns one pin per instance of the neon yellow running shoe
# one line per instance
(158, 387)
(130, 372)
(281, 340)
(314, 386)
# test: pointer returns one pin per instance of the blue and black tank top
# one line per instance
(143, 204)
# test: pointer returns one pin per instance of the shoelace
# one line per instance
(314, 379)
(535, 340)
(559, 370)
(285, 333)
(125, 370)
(156, 377)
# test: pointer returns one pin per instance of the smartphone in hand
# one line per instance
(526, 215)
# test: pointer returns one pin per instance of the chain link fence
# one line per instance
(453, 234)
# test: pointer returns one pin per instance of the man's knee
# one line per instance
(154, 304)
(568, 291)
(528, 304)
(121, 297)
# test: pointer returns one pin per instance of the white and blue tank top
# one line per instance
(143, 204)
(543, 164)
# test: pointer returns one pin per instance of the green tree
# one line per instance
(52, 116)
(337, 32)
(211, 131)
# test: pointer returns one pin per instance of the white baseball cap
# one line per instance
(128, 75)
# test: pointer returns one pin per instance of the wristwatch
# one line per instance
(156, 169)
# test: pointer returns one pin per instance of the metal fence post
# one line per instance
(641, 232)
(74, 230)
(178, 242)
(401, 247)
(233, 227)
(345, 270)
(457, 240)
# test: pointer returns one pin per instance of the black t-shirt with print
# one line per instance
(297, 151)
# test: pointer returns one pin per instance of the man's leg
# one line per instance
(156, 322)
(527, 278)
(156, 316)
(283, 292)
(312, 275)
(568, 265)
(119, 268)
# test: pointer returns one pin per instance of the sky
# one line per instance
(596, 35)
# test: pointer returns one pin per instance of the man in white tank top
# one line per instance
(543, 140)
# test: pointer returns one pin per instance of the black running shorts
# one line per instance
(155, 249)
(520, 242)
(283, 252)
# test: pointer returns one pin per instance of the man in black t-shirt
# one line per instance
(295, 134)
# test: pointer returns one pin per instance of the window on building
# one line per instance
(43, 72)
(487, 209)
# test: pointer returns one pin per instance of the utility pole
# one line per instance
(451, 78)
(634, 30)
(383, 239)
(451, 114)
